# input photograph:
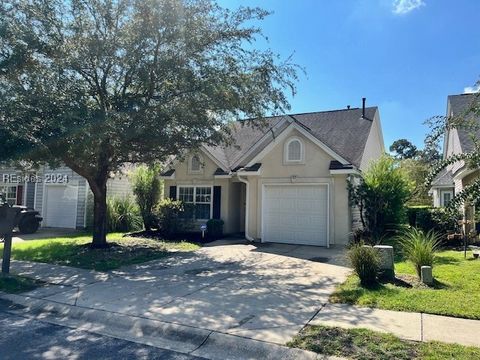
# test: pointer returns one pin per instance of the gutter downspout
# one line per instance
(247, 196)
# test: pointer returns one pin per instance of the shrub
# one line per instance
(173, 216)
(437, 219)
(365, 261)
(364, 236)
(380, 195)
(123, 215)
(147, 189)
(419, 247)
(215, 228)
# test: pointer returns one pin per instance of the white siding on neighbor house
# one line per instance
(453, 148)
(119, 186)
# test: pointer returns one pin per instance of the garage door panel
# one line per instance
(295, 214)
(60, 208)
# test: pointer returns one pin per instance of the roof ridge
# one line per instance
(307, 113)
(465, 94)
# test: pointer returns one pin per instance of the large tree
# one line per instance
(96, 84)
(404, 149)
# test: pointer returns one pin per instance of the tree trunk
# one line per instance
(99, 189)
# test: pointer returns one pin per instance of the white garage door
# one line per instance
(60, 209)
(295, 214)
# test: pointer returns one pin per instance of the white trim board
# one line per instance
(194, 193)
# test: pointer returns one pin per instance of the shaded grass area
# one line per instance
(455, 292)
(15, 284)
(369, 345)
(74, 251)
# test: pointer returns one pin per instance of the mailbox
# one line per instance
(7, 218)
(7, 222)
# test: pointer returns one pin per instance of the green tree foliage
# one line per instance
(404, 149)
(416, 170)
(380, 194)
(96, 84)
(146, 186)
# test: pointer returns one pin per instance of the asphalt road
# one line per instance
(24, 338)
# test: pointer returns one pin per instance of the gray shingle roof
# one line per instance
(443, 178)
(343, 131)
(461, 106)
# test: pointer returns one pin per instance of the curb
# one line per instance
(180, 338)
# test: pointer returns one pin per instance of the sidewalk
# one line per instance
(67, 280)
(405, 325)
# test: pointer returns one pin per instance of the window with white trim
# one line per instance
(195, 164)
(10, 192)
(200, 197)
(446, 197)
(294, 151)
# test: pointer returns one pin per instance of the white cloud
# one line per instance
(472, 89)
(401, 7)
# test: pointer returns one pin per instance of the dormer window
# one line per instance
(294, 151)
(195, 165)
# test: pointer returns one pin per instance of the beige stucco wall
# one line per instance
(183, 177)
(374, 146)
(315, 170)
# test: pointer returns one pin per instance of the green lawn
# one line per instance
(14, 284)
(455, 293)
(369, 345)
(74, 251)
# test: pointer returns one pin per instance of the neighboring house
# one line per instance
(62, 197)
(283, 179)
(455, 177)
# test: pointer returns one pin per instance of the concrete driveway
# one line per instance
(266, 292)
(43, 233)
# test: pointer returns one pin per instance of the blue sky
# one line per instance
(404, 56)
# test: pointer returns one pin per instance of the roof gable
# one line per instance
(461, 106)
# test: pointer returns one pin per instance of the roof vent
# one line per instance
(363, 107)
(348, 107)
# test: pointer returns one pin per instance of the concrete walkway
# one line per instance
(405, 325)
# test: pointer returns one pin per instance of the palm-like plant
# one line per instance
(419, 247)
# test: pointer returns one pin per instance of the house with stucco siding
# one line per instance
(283, 178)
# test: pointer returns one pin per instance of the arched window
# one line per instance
(294, 150)
(195, 164)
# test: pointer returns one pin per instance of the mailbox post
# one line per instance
(7, 220)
